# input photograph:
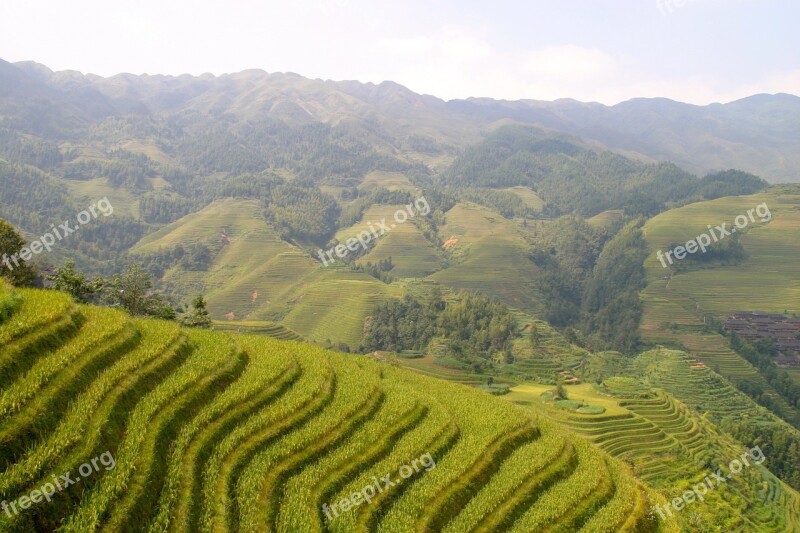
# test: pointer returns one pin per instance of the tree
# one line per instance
(198, 318)
(82, 289)
(561, 392)
(132, 290)
(13, 267)
(534, 338)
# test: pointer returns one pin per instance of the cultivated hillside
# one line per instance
(765, 278)
(196, 430)
(664, 414)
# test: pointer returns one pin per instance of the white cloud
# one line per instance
(459, 62)
(569, 62)
(445, 53)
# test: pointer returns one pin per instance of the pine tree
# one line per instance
(199, 316)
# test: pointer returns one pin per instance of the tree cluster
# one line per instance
(473, 326)
(761, 354)
(572, 178)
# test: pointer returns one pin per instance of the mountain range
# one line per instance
(759, 134)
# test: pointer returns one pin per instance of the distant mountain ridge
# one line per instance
(758, 134)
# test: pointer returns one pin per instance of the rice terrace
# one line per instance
(376, 267)
(219, 432)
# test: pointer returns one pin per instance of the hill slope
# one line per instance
(757, 134)
(765, 279)
(197, 430)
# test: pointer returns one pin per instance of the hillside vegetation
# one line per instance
(670, 419)
(213, 432)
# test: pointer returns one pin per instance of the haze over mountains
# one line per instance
(759, 134)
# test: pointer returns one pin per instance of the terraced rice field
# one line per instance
(218, 432)
(393, 181)
(667, 443)
(332, 304)
(606, 218)
(252, 267)
(700, 388)
(412, 254)
(527, 195)
(491, 256)
(768, 279)
(258, 328)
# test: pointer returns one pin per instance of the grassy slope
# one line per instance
(606, 218)
(124, 202)
(527, 195)
(331, 305)
(412, 254)
(658, 416)
(251, 268)
(491, 256)
(258, 277)
(393, 181)
(220, 431)
(767, 280)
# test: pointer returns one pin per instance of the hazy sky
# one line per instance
(697, 51)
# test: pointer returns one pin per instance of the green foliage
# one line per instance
(561, 392)
(729, 183)
(534, 337)
(75, 283)
(727, 252)
(612, 307)
(162, 209)
(381, 270)
(565, 251)
(9, 303)
(19, 272)
(35, 201)
(302, 212)
(29, 150)
(132, 291)
(473, 326)
(557, 168)
(198, 318)
(330, 153)
(761, 354)
(353, 212)
(779, 444)
(121, 169)
(506, 203)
